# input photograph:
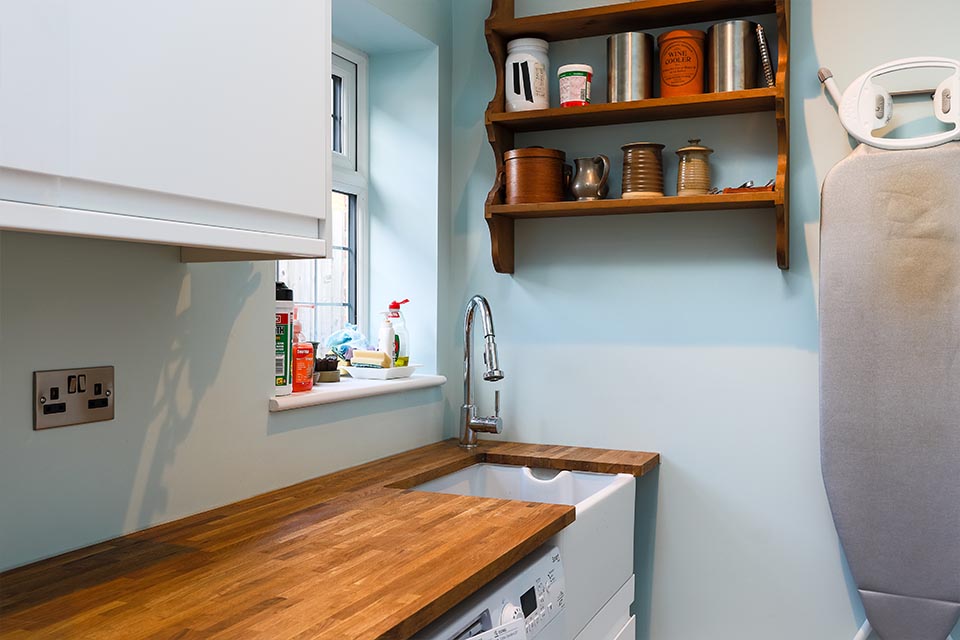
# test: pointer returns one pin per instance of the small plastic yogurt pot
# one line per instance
(575, 80)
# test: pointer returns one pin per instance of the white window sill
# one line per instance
(351, 389)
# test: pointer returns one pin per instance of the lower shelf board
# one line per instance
(500, 217)
(665, 204)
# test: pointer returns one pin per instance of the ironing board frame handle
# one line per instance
(865, 106)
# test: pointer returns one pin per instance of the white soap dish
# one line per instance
(370, 373)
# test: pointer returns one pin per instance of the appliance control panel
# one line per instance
(538, 596)
(522, 603)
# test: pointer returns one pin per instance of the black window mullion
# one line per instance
(337, 111)
(352, 259)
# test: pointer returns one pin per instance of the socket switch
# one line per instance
(72, 396)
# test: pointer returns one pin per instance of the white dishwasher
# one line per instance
(526, 601)
(529, 602)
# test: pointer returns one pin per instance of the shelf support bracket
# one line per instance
(783, 135)
(501, 140)
(501, 242)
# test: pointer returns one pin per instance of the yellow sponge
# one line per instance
(371, 359)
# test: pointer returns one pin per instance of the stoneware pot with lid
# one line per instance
(693, 175)
(535, 174)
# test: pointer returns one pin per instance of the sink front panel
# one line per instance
(522, 483)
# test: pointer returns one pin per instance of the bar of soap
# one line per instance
(370, 359)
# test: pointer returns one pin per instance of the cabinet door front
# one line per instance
(208, 111)
(33, 86)
(216, 99)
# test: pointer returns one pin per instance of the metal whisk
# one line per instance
(765, 60)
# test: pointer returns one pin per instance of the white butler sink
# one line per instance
(507, 482)
(597, 548)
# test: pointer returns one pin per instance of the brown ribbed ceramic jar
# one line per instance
(642, 170)
(535, 175)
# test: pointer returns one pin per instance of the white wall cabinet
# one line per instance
(199, 123)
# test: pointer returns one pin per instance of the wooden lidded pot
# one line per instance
(535, 174)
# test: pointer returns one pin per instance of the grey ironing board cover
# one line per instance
(890, 382)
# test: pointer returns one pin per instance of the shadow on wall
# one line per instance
(211, 298)
(807, 93)
(645, 539)
(376, 409)
(71, 302)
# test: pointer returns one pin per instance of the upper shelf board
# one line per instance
(627, 16)
(698, 106)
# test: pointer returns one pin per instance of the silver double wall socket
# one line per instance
(72, 396)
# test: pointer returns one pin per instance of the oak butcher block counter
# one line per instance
(354, 554)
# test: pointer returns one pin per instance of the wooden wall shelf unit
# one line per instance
(502, 26)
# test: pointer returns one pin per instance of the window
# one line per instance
(336, 91)
(345, 114)
(331, 292)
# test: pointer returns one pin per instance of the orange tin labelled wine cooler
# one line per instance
(681, 63)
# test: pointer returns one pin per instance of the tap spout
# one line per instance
(470, 423)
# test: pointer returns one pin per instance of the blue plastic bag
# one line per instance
(344, 342)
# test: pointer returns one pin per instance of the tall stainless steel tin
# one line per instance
(629, 66)
(732, 56)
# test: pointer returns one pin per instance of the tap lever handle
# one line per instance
(496, 402)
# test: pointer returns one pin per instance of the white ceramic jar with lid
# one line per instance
(527, 85)
(693, 174)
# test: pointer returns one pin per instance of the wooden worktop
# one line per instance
(353, 554)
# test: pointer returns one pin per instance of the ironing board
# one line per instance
(890, 382)
(890, 377)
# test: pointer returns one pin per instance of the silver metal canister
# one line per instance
(629, 66)
(732, 56)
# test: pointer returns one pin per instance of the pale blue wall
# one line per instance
(409, 82)
(192, 350)
(429, 18)
(191, 344)
(404, 196)
(671, 333)
(677, 333)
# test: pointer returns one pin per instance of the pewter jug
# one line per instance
(590, 179)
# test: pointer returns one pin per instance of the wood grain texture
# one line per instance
(535, 175)
(665, 204)
(626, 16)
(502, 26)
(783, 134)
(636, 463)
(651, 109)
(502, 243)
(354, 554)
(501, 139)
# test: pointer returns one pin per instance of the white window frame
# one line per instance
(351, 168)
(347, 70)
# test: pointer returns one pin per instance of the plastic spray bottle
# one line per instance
(401, 345)
(387, 336)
